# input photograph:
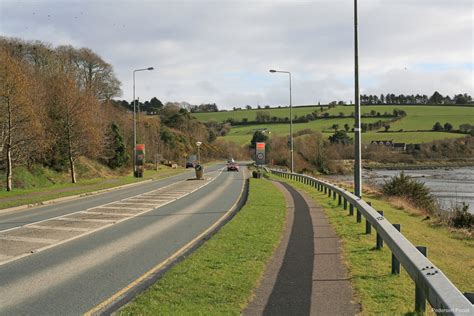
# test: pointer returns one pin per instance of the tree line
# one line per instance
(56, 105)
(436, 98)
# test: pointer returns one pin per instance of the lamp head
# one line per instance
(273, 70)
(198, 144)
(150, 68)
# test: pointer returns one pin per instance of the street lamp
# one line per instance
(357, 136)
(198, 144)
(135, 121)
(291, 117)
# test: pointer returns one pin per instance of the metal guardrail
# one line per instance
(431, 283)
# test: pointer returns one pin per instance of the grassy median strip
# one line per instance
(220, 276)
(378, 291)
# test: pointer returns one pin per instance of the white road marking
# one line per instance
(105, 221)
(29, 287)
(73, 229)
(110, 214)
(110, 206)
(138, 203)
(29, 239)
(4, 258)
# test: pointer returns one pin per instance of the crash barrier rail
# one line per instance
(430, 282)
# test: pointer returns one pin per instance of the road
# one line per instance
(98, 245)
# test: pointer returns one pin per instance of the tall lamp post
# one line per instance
(291, 117)
(135, 121)
(357, 131)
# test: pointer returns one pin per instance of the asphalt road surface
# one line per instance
(66, 258)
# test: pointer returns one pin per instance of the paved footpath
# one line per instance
(306, 276)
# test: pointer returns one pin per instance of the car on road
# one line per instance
(191, 162)
(232, 166)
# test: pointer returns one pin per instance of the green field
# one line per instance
(243, 134)
(415, 126)
(251, 114)
(419, 117)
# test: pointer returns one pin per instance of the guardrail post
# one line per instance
(379, 244)
(333, 195)
(368, 227)
(329, 192)
(325, 190)
(345, 203)
(395, 262)
(339, 199)
(359, 216)
(420, 299)
(351, 210)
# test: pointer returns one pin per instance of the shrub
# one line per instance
(414, 191)
(460, 217)
(437, 127)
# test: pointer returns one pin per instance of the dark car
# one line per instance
(232, 166)
(190, 164)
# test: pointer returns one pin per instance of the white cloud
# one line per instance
(220, 51)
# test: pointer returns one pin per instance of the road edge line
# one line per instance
(126, 294)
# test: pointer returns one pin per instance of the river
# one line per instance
(450, 185)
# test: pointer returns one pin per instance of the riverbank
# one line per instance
(419, 165)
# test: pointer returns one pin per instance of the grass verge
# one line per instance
(36, 195)
(220, 276)
(378, 291)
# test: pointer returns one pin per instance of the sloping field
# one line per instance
(414, 128)
(251, 114)
(419, 117)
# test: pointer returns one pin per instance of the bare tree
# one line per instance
(76, 128)
(19, 120)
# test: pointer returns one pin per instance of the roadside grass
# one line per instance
(34, 195)
(378, 291)
(219, 277)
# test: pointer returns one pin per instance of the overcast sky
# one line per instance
(221, 51)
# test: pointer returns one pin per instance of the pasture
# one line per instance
(414, 128)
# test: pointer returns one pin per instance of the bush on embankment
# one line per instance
(419, 196)
(414, 191)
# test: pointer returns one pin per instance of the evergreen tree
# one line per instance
(116, 147)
